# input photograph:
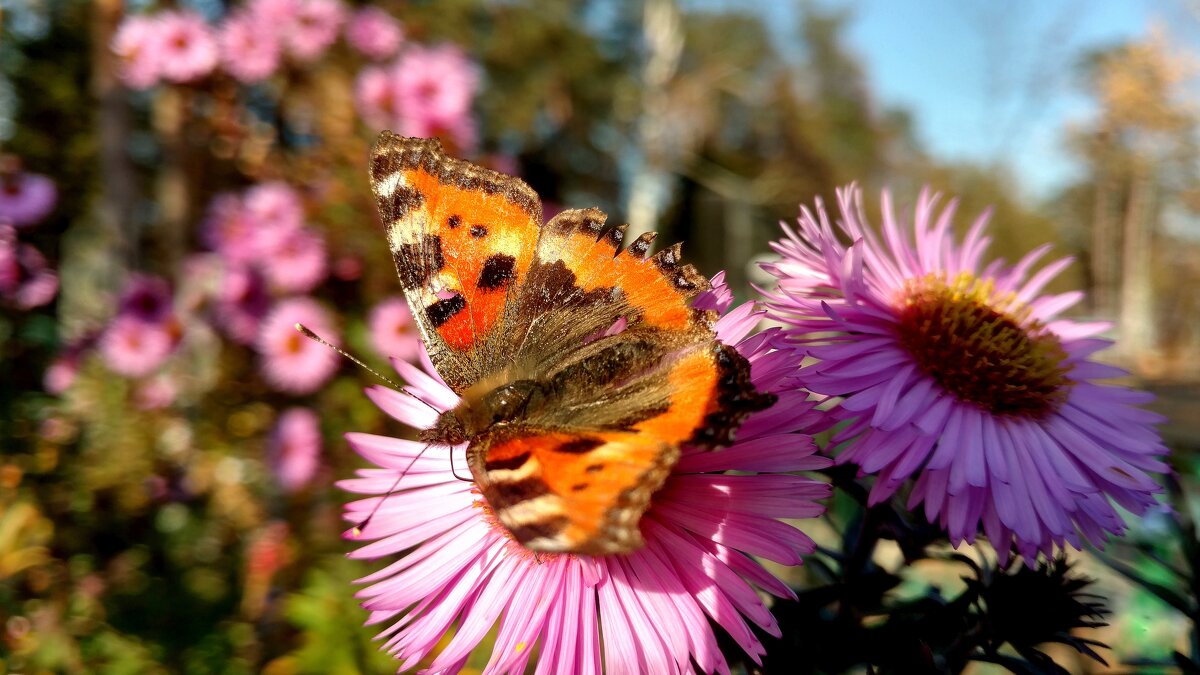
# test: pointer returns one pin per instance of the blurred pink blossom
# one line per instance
(10, 264)
(229, 229)
(374, 33)
(41, 287)
(294, 449)
(377, 97)
(134, 348)
(242, 303)
(138, 46)
(427, 92)
(291, 362)
(156, 392)
(298, 263)
(248, 52)
(277, 211)
(187, 49)
(25, 279)
(437, 84)
(310, 27)
(61, 374)
(26, 198)
(393, 333)
(248, 228)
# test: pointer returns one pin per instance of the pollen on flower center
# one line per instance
(972, 347)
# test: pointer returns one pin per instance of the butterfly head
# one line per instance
(480, 410)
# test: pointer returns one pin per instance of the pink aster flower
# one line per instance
(276, 210)
(26, 198)
(374, 33)
(964, 376)
(377, 97)
(242, 303)
(249, 52)
(294, 448)
(230, 230)
(313, 27)
(392, 330)
(134, 348)
(440, 81)
(291, 362)
(26, 281)
(648, 611)
(298, 263)
(187, 49)
(137, 45)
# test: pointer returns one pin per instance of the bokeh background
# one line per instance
(181, 179)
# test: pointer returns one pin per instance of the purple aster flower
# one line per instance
(248, 52)
(146, 298)
(649, 611)
(294, 448)
(26, 198)
(298, 263)
(137, 45)
(392, 330)
(242, 303)
(291, 362)
(964, 376)
(186, 47)
(374, 33)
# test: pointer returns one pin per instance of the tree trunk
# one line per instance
(1135, 322)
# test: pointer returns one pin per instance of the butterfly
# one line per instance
(582, 364)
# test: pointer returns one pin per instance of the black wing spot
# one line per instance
(497, 272)
(579, 487)
(478, 231)
(546, 529)
(503, 495)
(454, 221)
(510, 464)
(416, 264)
(594, 468)
(443, 310)
(397, 204)
(580, 445)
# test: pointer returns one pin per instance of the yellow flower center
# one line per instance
(981, 348)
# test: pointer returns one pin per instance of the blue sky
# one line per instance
(991, 81)
(987, 81)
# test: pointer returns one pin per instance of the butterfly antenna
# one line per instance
(455, 473)
(356, 531)
(304, 330)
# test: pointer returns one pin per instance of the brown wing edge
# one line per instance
(620, 532)
(737, 399)
(392, 152)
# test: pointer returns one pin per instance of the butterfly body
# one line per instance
(582, 365)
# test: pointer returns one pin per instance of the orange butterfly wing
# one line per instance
(462, 238)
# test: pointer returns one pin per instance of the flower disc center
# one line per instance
(964, 339)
